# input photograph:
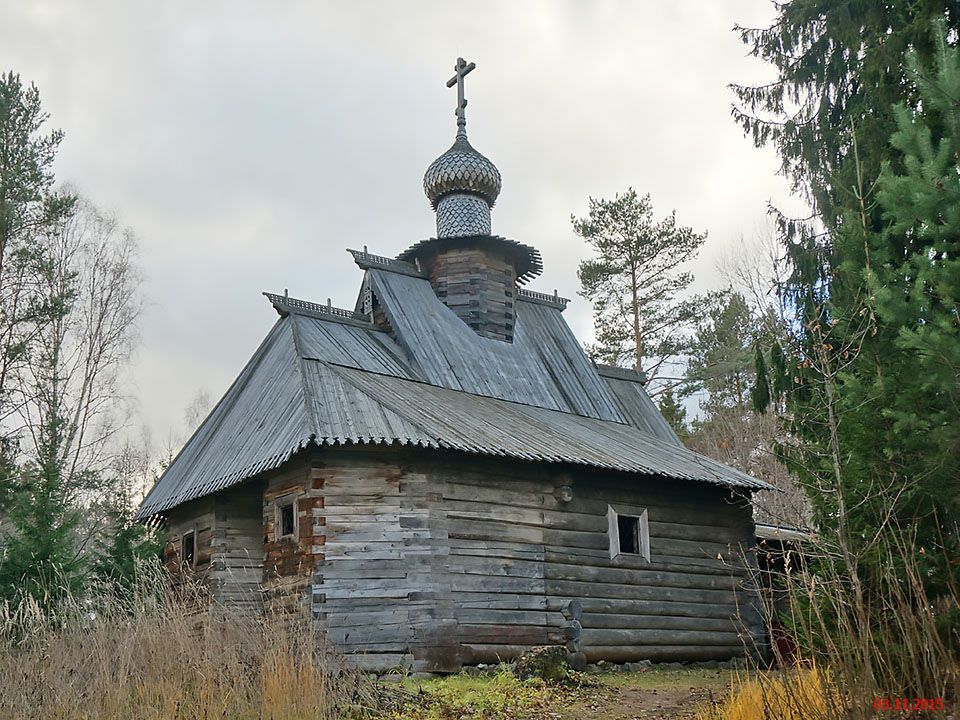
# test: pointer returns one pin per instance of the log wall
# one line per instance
(433, 564)
(228, 544)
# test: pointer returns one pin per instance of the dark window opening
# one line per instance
(287, 525)
(187, 549)
(628, 529)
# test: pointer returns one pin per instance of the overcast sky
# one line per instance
(249, 143)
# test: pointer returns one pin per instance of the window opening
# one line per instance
(628, 527)
(287, 517)
(188, 549)
(628, 532)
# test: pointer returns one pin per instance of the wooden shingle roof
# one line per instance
(328, 379)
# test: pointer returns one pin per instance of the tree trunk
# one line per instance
(636, 318)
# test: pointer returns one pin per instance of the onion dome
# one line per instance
(461, 169)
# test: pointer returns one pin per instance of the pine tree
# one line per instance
(635, 282)
(674, 413)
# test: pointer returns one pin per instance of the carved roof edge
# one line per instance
(366, 260)
(543, 298)
(285, 305)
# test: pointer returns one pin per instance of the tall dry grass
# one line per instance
(864, 652)
(167, 654)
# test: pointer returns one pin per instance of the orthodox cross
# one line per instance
(461, 69)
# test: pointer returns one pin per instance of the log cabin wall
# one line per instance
(379, 590)
(197, 517)
(290, 561)
(432, 563)
(228, 545)
(237, 548)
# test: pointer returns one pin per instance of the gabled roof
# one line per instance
(328, 380)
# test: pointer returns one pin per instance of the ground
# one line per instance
(651, 695)
(654, 694)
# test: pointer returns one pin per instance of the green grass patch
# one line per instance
(486, 697)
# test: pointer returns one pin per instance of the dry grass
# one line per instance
(800, 694)
(167, 656)
(859, 646)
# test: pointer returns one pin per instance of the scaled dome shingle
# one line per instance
(462, 169)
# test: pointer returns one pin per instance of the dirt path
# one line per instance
(655, 695)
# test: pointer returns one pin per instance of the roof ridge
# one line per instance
(312, 420)
(467, 392)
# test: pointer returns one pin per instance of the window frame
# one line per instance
(643, 531)
(192, 534)
(280, 503)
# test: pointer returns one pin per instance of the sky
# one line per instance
(248, 144)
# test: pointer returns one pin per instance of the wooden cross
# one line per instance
(461, 69)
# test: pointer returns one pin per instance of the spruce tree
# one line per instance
(853, 383)
(914, 277)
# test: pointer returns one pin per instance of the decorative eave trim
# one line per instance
(286, 305)
(366, 260)
(543, 298)
(530, 254)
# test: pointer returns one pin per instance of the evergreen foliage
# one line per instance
(871, 294)
(674, 413)
(914, 278)
(635, 282)
(68, 304)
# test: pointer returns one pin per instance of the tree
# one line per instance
(829, 114)
(72, 406)
(674, 413)
(914, 278)
(872, 308)
(127, 548)
(29, 206)
(721, 372)
(635, 282)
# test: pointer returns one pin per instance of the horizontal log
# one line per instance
(617, 636)
(484, 616)
(665, 563)
(380, 661)
(492, 530)
(584, 589)
(521, 634)
(501, 601)
(637, 577)
(599, 605)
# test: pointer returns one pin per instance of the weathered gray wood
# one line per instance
(431, 564)
(650, 636)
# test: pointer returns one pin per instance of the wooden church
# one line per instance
(443, 477)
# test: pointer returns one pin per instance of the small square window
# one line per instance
(629, 532)
(286, 519)
(188, 549)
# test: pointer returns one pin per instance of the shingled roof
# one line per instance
(327, 377)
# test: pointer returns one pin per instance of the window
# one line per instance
(628, 529)
(188, 549)
(629, 532)
(286, 520)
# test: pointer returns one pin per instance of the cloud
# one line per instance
(248, 143)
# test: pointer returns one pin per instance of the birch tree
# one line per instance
(73, 407)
